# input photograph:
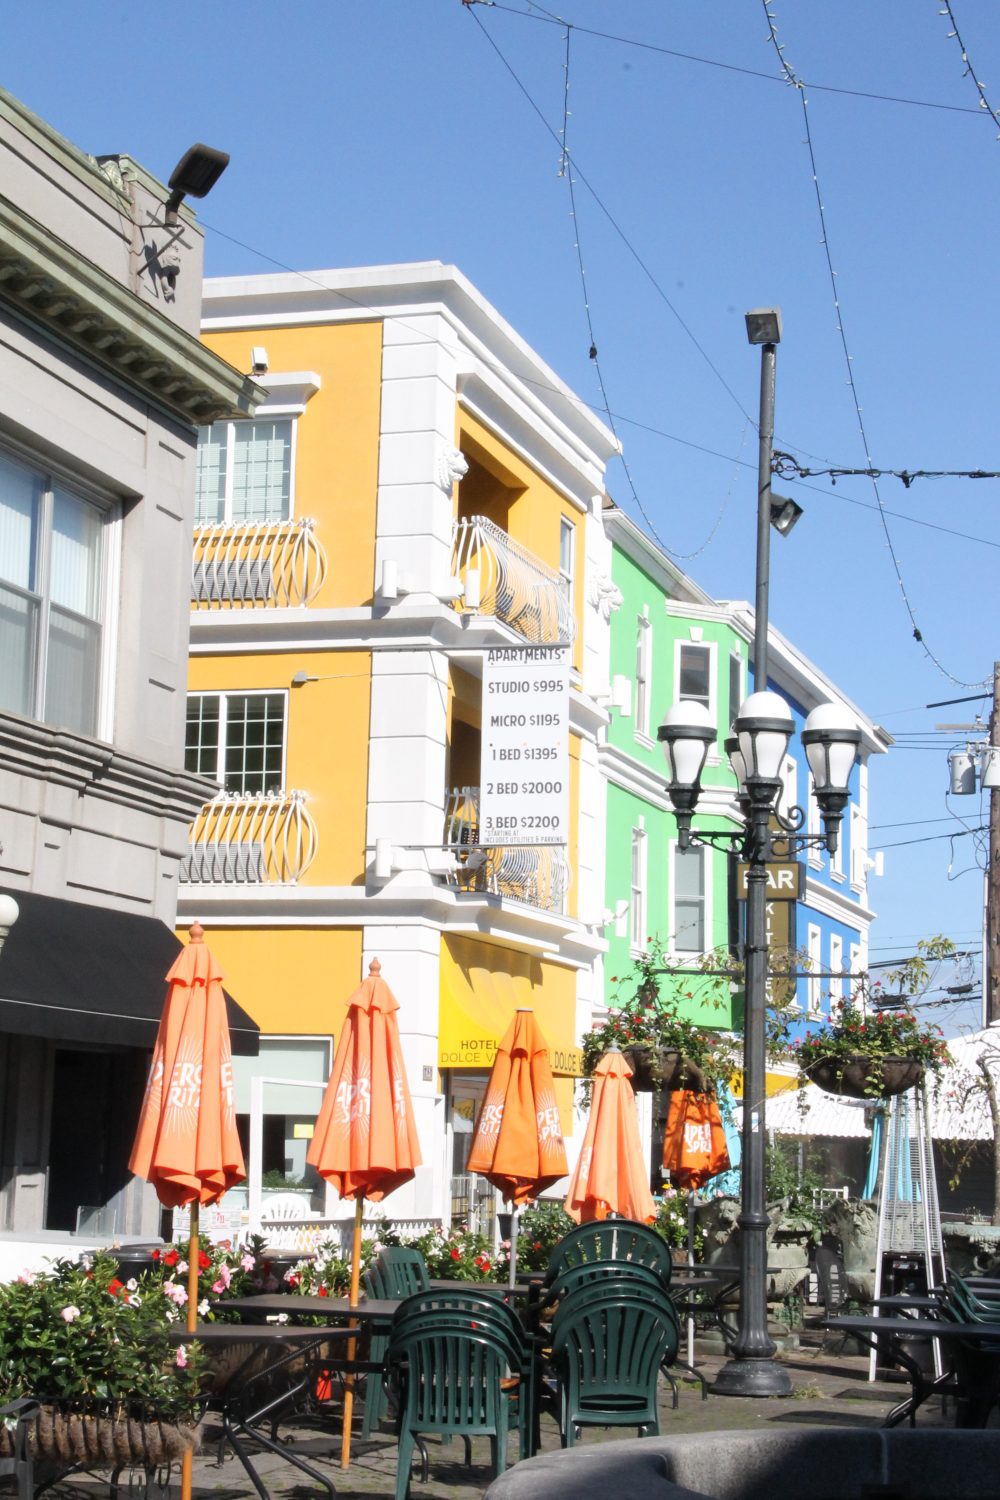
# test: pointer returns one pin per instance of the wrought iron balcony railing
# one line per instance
(539, 874)
(512, 583)
(256, 565)
(266, 838)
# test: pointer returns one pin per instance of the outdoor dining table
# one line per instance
(973, 1406)
(270, 1348)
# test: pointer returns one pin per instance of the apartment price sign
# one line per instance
(524, 777)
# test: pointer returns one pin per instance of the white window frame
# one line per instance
(567, 570)
(814, 984)
(643, 674)
(855, 830)
(224, 694)
(813, 823)
(639, 890)
(706, 899)
(788, 795)
(227, 501)
(710, 648)
(854, 966)
(837, 858)
(736, 661)
(53, 475)
(836, 965)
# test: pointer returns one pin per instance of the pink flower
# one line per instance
(177, 1294)
(221, 1284)
(180, 1358)
(247, 1261)
(70, 1314)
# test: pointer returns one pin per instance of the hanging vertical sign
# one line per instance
(524, 775)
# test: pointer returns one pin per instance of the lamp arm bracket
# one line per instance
(791, 821)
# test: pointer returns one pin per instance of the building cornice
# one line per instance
(50, 285)
(836, 904)
(487, 344)
(95, 769)
(634, 542)
(632, 775)
(527, 929)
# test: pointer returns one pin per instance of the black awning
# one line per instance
(81, 973)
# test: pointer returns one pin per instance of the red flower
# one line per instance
(204, 1261)
(171, 1258)
(115, 1286)
(323, 1292)
(156, 1254)
(455, 1254)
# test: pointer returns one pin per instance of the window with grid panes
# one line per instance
(689, 901)
(637, 902)
(238, 739)
(695, 674)
(643, 655)
(244, 472)
(735, 686)
(51, 613)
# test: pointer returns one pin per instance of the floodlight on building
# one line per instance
(194, 176)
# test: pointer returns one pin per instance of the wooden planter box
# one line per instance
(654, 1069)
(851, 1076)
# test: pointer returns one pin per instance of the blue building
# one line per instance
(831, 921)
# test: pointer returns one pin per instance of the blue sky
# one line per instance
(367, 131)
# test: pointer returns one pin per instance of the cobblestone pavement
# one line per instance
(829, 1390)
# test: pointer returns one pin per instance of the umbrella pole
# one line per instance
(690, 1318)
(515, 1214)
(194, 1246)
(345, 1446)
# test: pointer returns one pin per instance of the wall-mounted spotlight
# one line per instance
(258, 360)
(194, 176)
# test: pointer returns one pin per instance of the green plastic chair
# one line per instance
(606, 1353)
(469, 1311)
(612, 1239)
(396, 1271)
(450, 1382)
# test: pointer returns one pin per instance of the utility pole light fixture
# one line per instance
(757, 749)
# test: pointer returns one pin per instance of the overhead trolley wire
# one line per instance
(799, 87)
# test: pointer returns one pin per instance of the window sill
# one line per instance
(644, 740)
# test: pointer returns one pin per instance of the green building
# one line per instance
(670, 641)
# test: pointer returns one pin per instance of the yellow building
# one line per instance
(418, 490)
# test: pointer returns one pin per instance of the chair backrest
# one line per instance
(609, 1273)
(612, 1239)
(832, 1278)
(453, 1377)
(468, 1309)
(608, 1349)
(396, 1271)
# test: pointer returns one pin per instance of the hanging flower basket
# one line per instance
(656, 1068)
(67, 1438)
(863, 1077)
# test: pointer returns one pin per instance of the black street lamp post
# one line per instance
(757, 751)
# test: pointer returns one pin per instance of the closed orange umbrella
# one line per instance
(518, 1142)
(694, 1143)
(610, 1175)
(365, 1139)
(186, 1144)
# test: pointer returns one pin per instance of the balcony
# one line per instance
(538, 875)
(266, 838)
(256, 565)
(504, 579)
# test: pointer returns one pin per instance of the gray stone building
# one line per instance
(103, 384)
